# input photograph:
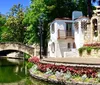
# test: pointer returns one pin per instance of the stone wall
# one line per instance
(94, 53)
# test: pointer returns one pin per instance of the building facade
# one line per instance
(68, 35)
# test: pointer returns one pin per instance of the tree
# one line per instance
(15, 25)
(2, 25)
(90, 8)
(85, 6)
(51, 9)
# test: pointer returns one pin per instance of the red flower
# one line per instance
(34, 59)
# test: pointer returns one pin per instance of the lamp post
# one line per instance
(40, 32)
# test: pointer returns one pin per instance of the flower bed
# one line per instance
(64, 78)
(34, 59)
(92, 44)
(90, 72)
(65, 74)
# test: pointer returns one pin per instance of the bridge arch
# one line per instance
(18, 47)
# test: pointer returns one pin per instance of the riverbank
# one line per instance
(22, 82)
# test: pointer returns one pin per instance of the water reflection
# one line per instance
(14, 74)
(10, 72)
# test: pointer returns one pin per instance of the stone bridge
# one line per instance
(18, 47)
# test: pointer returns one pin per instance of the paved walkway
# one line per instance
(74, 60)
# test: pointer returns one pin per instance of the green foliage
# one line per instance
(51, 9)
(29, 65)
(96, 48)
(14, 23)
(23, 26)
(28, 81)
(26, 56)
(2, 20)
(2, 25)
(88, 50)
(81, 50)
(82, 6)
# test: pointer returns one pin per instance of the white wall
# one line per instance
(79, 34)
(60, 44)
(53, 36)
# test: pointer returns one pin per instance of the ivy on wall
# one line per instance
(87, 49)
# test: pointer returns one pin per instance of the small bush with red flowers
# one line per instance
(90, 72)
(34, 59)
(92, 45)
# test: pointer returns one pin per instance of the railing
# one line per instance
(62, 34)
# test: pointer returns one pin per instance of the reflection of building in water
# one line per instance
(68, 35)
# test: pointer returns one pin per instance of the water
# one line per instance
(14, 74)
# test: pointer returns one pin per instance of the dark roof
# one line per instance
(64, 18)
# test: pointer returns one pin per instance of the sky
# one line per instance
(5, 5)
(95, 4)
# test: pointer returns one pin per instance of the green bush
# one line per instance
(29, 65)
(26, 56)
(81, 50)
(89, 50)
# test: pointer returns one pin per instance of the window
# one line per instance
(53, 47)
(76, 25)
(95, 27)
(52, 28)
(74, 46)
(69, 45)
(68, 26)
(98, 8)
(98, 12)
(84, 25)
(68, 29)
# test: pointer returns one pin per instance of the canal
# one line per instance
(13, 72)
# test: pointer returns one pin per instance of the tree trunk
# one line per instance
(44, 43)
(89, 8)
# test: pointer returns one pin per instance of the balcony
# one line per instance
(62, 34)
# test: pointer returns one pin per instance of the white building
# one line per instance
(67, 35)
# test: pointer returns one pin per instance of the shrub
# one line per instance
(89, 50)
(90, 72)
(29, 65)
(81, 50)
(34, 59)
